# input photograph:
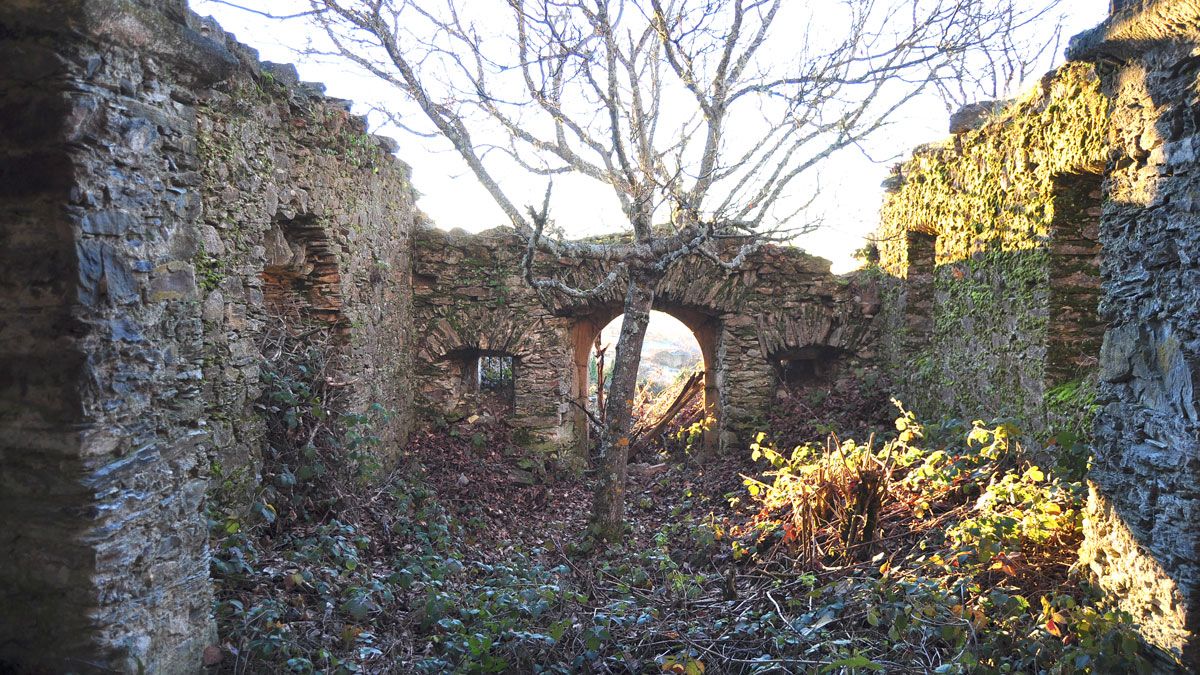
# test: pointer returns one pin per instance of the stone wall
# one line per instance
(1143, 524)
(103, 541)
(992, 287)
(307, 220)
(471, 300)
(166, 202)
(1064, 229)
(148, 172)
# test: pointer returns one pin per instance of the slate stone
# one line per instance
(1116, 354)
(124, 330)
(210, 239)
(140, 135)
(112, 222)
(974, 115)
(214, 307)
(283, 73)
(120, 283)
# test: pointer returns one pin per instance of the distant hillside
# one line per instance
(669, 349)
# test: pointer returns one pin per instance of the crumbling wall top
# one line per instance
(1133, 26)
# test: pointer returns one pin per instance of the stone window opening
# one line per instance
(807, 367)
(490, 377)
(496, 374)
(1075, 331)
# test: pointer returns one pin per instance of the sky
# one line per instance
(849, 184)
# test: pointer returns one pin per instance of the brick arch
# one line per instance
(809, 325)
(301, 274)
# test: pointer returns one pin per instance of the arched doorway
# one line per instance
(692, 329)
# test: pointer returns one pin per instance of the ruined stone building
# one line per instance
(166, 199)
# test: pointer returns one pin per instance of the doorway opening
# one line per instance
(676, 385)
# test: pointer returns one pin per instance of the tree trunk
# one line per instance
(608, 503)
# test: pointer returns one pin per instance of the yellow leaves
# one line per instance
(1035, 474)
(978, 618)
(755, 487)
(978, 431)
(685, 665)
(350, 634)
(907, 425)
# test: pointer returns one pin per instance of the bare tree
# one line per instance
(701, 117)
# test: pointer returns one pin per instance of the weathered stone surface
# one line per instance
(141, 172)
(163, 201)
(1144, 509)
(990, 256)
(175, 280)
(303, 215)
(1091, 178)
(974, 115)
(103, 556)
(110, 222)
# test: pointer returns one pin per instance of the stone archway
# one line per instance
(705, 328)
(472, 295)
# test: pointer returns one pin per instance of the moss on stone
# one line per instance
(988, 198)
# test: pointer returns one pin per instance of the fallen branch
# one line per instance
(645, 435)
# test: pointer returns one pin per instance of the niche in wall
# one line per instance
(1074, 331)
(919, 295)
(301, 278)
